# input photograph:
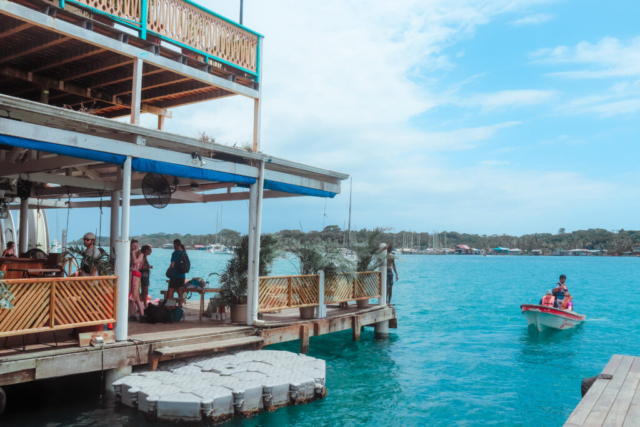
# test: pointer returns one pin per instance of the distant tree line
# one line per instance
(594, 238)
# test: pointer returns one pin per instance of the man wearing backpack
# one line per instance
(180, 266)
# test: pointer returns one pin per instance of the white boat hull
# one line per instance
(545, 318)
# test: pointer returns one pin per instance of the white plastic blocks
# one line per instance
(215, 388)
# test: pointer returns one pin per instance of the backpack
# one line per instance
(183, 265)
(176, 315)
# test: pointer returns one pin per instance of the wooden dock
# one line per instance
(612, 402)
(41, 357)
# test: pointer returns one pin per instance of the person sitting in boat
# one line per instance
(549, 300)
(561, 289)
(567, 303)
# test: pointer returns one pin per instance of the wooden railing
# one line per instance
(186, 24)
(52, 303)
(280, 292)
(343, 287)
(194, 27)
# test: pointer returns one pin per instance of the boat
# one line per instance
(545, 318)
(349, 254)
(167, 246)
(219, 248)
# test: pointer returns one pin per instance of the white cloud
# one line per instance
(509, 98)
(537, 19)
(607, 58)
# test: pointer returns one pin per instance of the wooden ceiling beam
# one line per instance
(76, 55)
(29, 48)
(10, 30)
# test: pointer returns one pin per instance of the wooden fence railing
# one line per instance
(280, 292)
(52, 303)
(184, 23)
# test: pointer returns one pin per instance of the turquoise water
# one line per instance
(462, 353)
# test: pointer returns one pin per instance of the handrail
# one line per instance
(53, 303)
(296, 291)
(187, 25)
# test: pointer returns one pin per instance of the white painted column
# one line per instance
(123, 256)
(258, 101)
(23, 238)
(382, 328)
(136, 91)
(254, 284)
(114, 232)
(321, 313)
(253, 201)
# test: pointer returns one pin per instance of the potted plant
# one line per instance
(5, 294)
(370, 257)
(233, 279)
(98, 266)
(315, 256)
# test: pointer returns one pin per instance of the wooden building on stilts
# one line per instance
(67, 68)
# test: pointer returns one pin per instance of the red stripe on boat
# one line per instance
(550, 310)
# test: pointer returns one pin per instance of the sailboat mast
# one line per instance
(350, 198)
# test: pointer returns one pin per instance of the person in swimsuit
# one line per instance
(10, 251)
(137, 257)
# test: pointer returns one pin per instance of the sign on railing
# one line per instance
(281, 292)
(52, 303)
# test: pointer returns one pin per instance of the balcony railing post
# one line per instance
(144, 10)
(52, 305)
(289, 291)
(321, 313)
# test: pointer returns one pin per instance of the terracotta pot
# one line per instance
(239, 313)
(362, 303)
(308, 312)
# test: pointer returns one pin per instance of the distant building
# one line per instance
(536, 252)
(501, 251)
(579, 252)
(636, 249)
(198, 247)
(515, 251)
(462, 249)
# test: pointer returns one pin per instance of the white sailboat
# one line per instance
(218, 247)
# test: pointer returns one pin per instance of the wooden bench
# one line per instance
(202, 293)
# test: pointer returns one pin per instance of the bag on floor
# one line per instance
(157, 313)
(176, 315)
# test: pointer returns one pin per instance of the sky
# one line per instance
(478, 116)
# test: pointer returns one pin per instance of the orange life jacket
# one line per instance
(548, 300)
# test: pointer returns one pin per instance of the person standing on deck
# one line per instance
(391, 268)
(137, 257)
(91, 251)
(145, 270)
(560, 289)
(176, 277)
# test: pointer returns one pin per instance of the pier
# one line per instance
(612, 400)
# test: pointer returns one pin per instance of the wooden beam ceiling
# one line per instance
(32, 47)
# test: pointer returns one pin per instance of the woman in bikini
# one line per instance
(137, 258)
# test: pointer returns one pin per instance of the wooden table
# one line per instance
(202, 293)
(612, 402)
(15, 266)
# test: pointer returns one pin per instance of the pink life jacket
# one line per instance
(548, 300)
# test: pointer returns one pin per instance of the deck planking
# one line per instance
(613, 402)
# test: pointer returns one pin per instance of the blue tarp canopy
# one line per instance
(163, 168)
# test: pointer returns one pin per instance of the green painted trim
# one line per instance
(206, 55)
(143, 18)
(224, 18)
(258, 54)
(133, 24)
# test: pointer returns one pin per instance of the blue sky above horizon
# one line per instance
(480, 116)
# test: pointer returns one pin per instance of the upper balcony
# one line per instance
(83, 54)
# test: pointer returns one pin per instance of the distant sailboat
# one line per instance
(218, 247)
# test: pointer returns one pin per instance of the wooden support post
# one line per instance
(136, 91)
(289, 291)
(44, 95)
(160, 122)
(52, 305)
(356, 324)
(304, 339)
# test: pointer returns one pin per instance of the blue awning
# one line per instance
(163, 168)
(63, 150)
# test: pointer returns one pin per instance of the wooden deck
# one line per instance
(41, 357)
(612, 402)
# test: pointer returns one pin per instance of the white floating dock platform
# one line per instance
(217, 387)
